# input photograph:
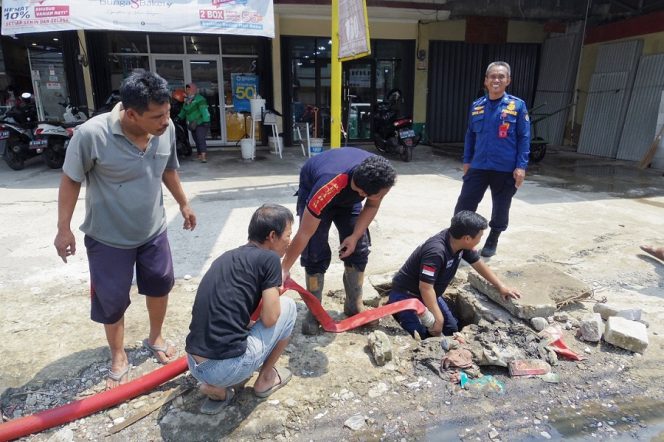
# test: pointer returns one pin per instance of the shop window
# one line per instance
(232, 45)
(202, 44)
(238, 121)
(123, 65)
(128, 42)
(166, 44)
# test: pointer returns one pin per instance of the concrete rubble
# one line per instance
(591, 328)
(381, 347)
(607, 311)
(623, 333)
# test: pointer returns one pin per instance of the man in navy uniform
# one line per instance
(332, 188)
(432, 266)
(496, 151)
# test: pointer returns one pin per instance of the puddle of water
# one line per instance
(580, 422)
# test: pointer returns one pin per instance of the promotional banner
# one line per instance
(245, 87)
(354, 39)
(244, 17)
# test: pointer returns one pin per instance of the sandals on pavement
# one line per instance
(284, 375)
(118, 376)
(156, 349)
(213, 406)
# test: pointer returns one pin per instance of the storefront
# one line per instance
(228, 70)
(42, 64)
(366, 81)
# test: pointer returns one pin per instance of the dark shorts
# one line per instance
(112, 270)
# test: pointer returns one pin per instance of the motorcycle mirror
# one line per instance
(26, 95)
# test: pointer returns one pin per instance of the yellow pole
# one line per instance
(335, 81)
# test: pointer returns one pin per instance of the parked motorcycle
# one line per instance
(54, 136)
(394, 134)
(181, 133)
(17, 141)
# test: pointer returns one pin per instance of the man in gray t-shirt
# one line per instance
(124, 156)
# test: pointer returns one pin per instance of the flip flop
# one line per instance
(213, 406)
(156, 349)
(284, 374)
(117, 376)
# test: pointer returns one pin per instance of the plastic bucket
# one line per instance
(257, 106)
(247, 148)
(315, 146)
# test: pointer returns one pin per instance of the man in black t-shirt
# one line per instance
(432, 266)
(333, 186)
(224, 347)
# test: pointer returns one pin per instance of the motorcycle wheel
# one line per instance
(183, 149)
(53, 159)
(407, 153)
(13, 156)
(537, 150)
(380, 147)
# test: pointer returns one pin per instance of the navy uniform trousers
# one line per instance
(475, 183)
(317, 255)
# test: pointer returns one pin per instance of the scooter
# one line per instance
(54, 136)
(17, 140)
(394, 134)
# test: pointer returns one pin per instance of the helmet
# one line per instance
(179, 95)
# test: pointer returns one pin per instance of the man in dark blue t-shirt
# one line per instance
(432, 266)
(332, 188)
(224, 347)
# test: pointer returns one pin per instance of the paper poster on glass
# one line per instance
(245, 87)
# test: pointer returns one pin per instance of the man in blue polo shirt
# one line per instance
(496, 151)
(432, 266)
(332, 188)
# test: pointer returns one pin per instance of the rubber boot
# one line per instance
(491, 244)
(315, 283)
(353, 281)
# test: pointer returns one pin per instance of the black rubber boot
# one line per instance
(315, 283)
(353, 281)
(491, 244)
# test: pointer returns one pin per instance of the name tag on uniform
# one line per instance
(502, 130)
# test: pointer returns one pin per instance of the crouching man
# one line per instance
(432, 266)
(223, 347)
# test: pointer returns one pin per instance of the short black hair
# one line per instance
(374, 174)
(268, 218)
(141, 88)
(467, 223)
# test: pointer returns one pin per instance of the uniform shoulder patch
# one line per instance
(326, 193)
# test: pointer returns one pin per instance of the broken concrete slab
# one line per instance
(623, 333)
(633, 314)
(543, 289)
(471, 307)
(608, 310)
(592, 327)
(381, 347)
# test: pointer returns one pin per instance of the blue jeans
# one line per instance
(409, 321)
(260, 343)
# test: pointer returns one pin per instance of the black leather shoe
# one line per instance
(491, 244)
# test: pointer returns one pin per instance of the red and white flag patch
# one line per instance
(428, 270)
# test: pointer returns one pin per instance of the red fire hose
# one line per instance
(85, 407)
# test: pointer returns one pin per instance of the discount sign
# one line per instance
(245, 87)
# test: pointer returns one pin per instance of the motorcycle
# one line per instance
(182, 144)
(54, 136)
(394, 134)
(17, 140)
